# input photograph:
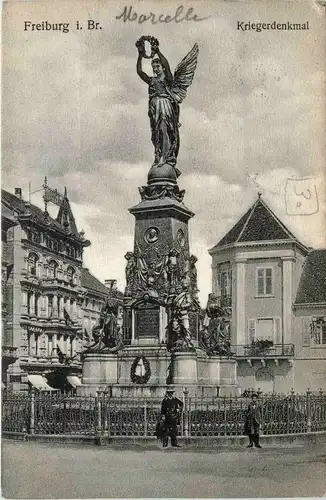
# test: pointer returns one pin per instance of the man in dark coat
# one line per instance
(253, 422)
(170, 413)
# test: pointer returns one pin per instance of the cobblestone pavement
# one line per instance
(39, 470)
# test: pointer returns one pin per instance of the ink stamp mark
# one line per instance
(301, 196)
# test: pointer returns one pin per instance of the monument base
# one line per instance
(116, 374)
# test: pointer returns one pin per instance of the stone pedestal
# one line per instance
(161, 282)
(100, 369)
(185, 368)
(203, 376)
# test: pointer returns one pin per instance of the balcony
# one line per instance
(276, 352)
(225, 301)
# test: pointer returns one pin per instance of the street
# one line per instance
(39, 470)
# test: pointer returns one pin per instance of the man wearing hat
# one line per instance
(253, 421)
(170, 413)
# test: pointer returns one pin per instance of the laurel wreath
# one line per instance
(140, 379)
(140, 44)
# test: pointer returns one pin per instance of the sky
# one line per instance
(74, 110)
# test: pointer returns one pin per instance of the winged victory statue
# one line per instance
(166, 92)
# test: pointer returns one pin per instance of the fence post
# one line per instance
(105, 414)
(225, 416)
(262, 424)
(98, 408)
(186, 412)
(145, 417)
(32, 413)
(64, 415)
(308, 410)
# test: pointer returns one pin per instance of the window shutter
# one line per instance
(218, 285)
(268, 281)
(229, 282)
(277, 330)
(251, 330)
(223, 284)
(306, 331)
(323, 333)
(260, 281)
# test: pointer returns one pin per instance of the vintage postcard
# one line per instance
(163, 251)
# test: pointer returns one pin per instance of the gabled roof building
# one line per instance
(265, 274)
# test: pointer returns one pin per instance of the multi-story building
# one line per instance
(9, 352)
(256, 270)
(45, 289)
(310, 311)
(95, 296)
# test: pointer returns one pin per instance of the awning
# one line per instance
(74, 381)
(39, 383)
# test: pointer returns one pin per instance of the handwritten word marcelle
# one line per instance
(180, 15)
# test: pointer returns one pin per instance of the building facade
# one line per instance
(45, 290)
(310, 322)
(256, 270)
(95, 296)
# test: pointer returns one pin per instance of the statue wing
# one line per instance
(184, 74)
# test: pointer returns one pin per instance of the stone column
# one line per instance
(50, 346)
(55, 306)
(24, 303)
(41, 311)
(240, 301)
(79, 312)
(74, 311)
(46, 306)
(68, 346)
(61, 305)
(38, 306)
(287, 276)
(73, 346)
(54, 345)
(31, 344)
(32, 304)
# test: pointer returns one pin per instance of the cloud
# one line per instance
(75, 110)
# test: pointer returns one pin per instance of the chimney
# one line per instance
(18, 193)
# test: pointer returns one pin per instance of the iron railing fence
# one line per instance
(39, 413)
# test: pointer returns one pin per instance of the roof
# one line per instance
(24, 208)
(259, 223)
(65, 216)
(91, 283)
(312, 285)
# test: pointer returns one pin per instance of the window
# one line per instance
(71, 275)
(318, 330)
(32, 264)
(264, 281)
(52, 269)
(224, 281)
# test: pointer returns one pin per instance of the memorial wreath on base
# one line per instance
(140, 371)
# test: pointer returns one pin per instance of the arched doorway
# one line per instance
(265, 380)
